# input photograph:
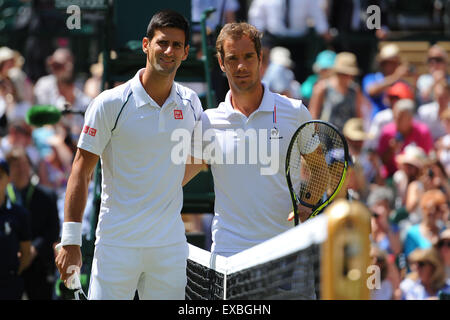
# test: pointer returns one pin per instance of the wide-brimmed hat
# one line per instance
(6, 54)
(324, 60)
(345, 63)
(354, 130)
(388, 52)
(413, 155)
(281, 56)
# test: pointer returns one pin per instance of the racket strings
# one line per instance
(309, 179)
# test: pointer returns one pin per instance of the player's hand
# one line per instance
(303, 213)
(68, 261)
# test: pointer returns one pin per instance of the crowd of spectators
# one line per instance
(398, 133)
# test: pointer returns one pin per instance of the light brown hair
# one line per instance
(235, 31)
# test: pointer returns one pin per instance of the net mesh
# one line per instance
(284, 267)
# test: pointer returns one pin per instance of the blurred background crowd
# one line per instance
(386, 88)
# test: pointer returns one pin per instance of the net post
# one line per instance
(345, 253)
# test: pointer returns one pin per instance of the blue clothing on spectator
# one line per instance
(376, 102)
(414, 239)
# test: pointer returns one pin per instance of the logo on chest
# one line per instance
(178, 114)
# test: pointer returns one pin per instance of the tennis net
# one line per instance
(284, 267)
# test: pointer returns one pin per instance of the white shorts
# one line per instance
(157, 273)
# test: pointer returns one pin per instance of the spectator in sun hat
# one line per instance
(338, 98)
(427, 278)
(407, 179)
(356, 136)
(279, 75)
(390, 70)
(322, 68)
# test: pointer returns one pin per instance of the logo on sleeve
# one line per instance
(178, 114)
(90, 131)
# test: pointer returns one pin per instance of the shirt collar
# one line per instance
(267, 102)
(141, 97)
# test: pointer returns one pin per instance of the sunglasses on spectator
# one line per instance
(443, 244)
(422, 264)
(435, 60)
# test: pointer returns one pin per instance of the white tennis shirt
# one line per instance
(141, 187)
(252, 200)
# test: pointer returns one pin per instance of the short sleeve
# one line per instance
(97, 128)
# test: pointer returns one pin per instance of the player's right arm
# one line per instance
(74, 205)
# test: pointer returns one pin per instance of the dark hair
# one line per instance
(169, 19)
(236, 30)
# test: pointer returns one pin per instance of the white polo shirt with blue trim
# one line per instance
(141, 186)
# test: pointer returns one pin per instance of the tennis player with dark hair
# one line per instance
(140, 237)
(250, 206)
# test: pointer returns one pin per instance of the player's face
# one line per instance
(166, 50)
(241, 64)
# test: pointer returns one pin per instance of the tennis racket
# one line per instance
(316, 166)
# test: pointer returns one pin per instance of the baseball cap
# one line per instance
(4, 166)
(324, 60)
(400, 90)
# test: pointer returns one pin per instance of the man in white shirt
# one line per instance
(140, 237)
(285, 24)
(250, 133)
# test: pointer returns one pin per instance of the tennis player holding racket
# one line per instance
(140, 237)
(250, 207)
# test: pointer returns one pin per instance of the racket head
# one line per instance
(322, 180)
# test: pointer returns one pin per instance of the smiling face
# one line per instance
(241, 64)
(166, 50)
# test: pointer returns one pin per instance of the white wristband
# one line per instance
(71, 234)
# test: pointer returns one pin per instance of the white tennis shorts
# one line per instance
(157, 273)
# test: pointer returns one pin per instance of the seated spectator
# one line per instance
(427, 278)
(436, 177)
(443, 247)
(399, 90)
(60, 89)
(391, 70)
(442, 145)
(384, 234)
(356, 135)
(434, 209)
(396, 135)
(389, 275)
(437, 61)
(407, 179)
(432, 113)
(20, 135)
(279, 76)
(338, 98)
(15, 89)
(322, 68)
